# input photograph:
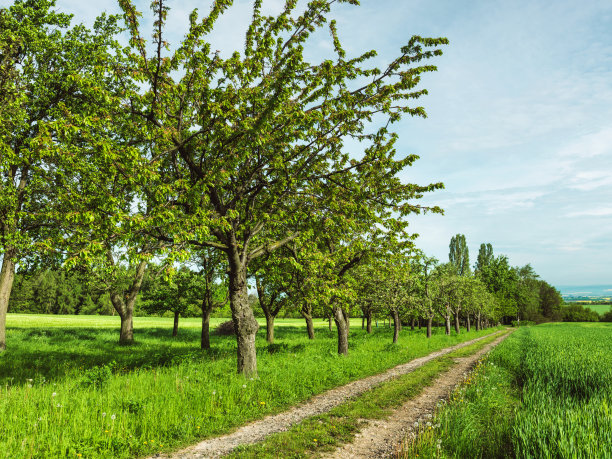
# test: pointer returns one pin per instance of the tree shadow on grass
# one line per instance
(52, 353)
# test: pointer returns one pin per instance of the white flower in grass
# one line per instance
(113, 417)
(416, 424)
(214, 392)
(103, 414)
(244, 386)
(54, 394)
(59, 405)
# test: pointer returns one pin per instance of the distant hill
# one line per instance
(587, 292)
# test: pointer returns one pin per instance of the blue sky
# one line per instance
(519, 123)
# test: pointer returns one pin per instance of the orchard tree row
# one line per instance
(114, 156)
(125, 161)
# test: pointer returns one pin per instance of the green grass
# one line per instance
(545, 392)
(599, 308)
(71, 389)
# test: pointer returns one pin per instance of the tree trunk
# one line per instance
(330, 322)
(457, 329)
(420, 323)
(429, 320)
(412, 325)
(269, 328)
(467, 323)
(369, 322)
(124, 305)
(478, 324)
(447, 323)
(7, 276)
(396, 325)
(306, 312)
(245, 324)
(205, 338)
(176, 322)
(339, 317)
(363, 322)
(126, 334)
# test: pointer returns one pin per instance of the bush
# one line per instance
(226, 328)
(523, 323)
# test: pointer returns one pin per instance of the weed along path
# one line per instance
(383, 437)
(259, 430)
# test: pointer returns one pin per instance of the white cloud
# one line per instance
(597, 212)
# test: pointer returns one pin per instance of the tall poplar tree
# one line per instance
(459, 255)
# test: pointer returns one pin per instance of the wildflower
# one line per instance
(416, 424)
(29, 385)
(244, 386)
(315, 440)
(214, 392)
(113, 417)
(103, 414)
(262, 403)
(59, 405)
(106, 431)
(53, 394)
(40, 419)
(198, 427)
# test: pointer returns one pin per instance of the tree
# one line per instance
(48, 79)
(254, 137)
(177, 294)
(459, 255)
(502, 281)
(485, 255)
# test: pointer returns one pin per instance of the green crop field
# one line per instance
(599, 308)
(68, 388)
(544, 392)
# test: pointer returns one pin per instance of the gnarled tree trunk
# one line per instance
(341, 325)
(7, 276)
(245, 324)
(269, 328)
(306, 312)
(396, 325)
(124, 305)
(447, 324)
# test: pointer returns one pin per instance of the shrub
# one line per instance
(226, 328)
(523, 323)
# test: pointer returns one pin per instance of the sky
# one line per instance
(519, 125)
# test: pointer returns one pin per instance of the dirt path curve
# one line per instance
(322, 403)
(382, 437)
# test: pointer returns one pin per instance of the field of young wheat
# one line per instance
(544, 392)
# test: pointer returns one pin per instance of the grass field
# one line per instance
(544, 392)
(599, 308)
(68, 389)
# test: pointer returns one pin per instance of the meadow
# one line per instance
(544, 392)
(599, 308)
(68, 389)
